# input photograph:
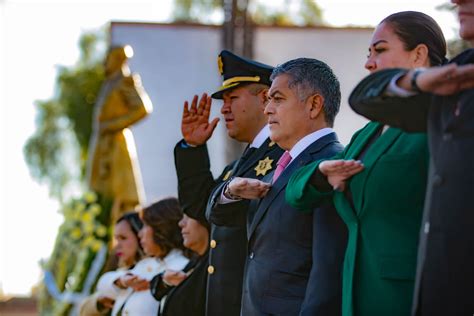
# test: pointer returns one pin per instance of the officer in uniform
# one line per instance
(244, 95)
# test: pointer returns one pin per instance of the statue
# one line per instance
(113, 170)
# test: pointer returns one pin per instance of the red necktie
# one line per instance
(281, 165)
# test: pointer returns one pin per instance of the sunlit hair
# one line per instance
(163, 217)
(414, 28)
(308, 76)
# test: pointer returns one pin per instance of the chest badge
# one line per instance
(271, 144)
(227, 175)
(263, 166)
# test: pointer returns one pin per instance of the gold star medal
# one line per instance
(227, 175)
(263, 166)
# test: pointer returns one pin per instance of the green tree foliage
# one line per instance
(195, 10)
(299, 12)
(57, 152)
(291, 12)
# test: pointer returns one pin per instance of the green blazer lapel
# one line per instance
(362, 140)
(353, 150)
(377, 149)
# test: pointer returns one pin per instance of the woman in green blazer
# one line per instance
(378, 182)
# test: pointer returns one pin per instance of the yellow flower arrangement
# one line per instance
(80, 237)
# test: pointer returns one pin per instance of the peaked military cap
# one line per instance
(237, 70)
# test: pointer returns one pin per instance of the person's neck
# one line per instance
(201, 248)
(255, 132)
(126, 264)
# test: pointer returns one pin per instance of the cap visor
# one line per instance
(219, 94)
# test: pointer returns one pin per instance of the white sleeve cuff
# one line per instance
(393, 90)
(222, 199)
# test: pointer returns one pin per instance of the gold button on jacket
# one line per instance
(213, 244)
(210, 269)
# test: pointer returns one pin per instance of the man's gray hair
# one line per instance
(308, 76)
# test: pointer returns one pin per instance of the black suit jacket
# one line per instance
(228, 245)
(294, 258)
(189, 297)
(445, 273)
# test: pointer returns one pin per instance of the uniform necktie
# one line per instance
(248, 152)
(245, 156)
(281, 165)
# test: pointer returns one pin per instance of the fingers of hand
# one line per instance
(345, 166)
(185, 109)
(189, 119)
(331, 165)
(464, 73)
(238, 183)
(257, 188)
(254, 184)
(211, 126)
(202, 104)
(140, 285)
(193, 108)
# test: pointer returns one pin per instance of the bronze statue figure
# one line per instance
(113, 170)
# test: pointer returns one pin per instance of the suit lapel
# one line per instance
(302, 159)
(354, 151)
(377, 149)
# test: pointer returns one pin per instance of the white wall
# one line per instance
(175, 63)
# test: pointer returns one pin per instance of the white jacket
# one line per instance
(140, 303)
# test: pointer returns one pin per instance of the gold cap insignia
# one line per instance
(227, 175)
(263, 166)
(220, 65)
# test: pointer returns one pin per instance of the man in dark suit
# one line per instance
(439, 101)
(244, 92)
(294, 258)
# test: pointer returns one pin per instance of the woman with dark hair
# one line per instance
(161, 235)
(184, 291)
(127, 251)
(378, 183)
(161, 240)
(440, 102)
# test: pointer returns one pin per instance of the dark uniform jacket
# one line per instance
(445, 273)
(294, 258)
(227, 244)
(189, 297)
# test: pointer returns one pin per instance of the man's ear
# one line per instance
(263, 96)
(315, 105)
